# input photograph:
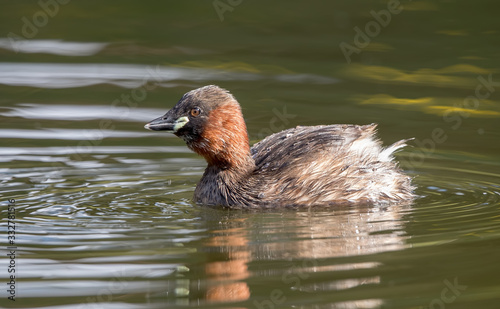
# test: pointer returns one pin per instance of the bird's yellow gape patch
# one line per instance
(180, 122)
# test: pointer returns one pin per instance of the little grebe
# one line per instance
(302, 166)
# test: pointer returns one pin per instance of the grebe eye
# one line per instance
(195, 112)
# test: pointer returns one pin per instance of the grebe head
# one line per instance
(210, 121)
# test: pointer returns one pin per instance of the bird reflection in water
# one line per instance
(302, 246)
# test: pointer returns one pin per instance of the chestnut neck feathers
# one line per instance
(222, 138)
(223, 141)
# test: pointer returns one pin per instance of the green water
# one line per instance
(103, 210)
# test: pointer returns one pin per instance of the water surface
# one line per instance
(103, 209)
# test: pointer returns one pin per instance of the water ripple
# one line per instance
(66, 75)
(69, 134)
(81, 112)
(55, 47)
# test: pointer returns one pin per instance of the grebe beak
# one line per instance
(164, 123)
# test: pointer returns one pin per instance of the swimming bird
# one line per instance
(298, 167)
